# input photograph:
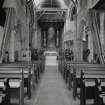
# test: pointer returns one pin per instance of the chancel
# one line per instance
(51, 38)
(52, 52)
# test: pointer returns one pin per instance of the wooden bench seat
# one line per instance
(91, 86)
(91, 72)
(92, 83)
(15, 73)
(66, 72)
(14, 83)
(76, 67)
(88, 67)
(17, 86)
(38, 69)
(17, 64)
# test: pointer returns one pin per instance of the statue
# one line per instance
(51, 40)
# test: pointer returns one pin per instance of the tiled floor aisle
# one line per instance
(52, 89)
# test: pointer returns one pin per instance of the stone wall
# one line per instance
(19, 42)
(80, 22)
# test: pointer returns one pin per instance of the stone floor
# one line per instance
(52, 89)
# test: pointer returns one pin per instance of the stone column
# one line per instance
(12, 37)
(77, 41)
(36, 42)
(23, 36)
(44, 39)
(27, 39)
(90, 46)
(39, 38)
(57, 40)
(102, 29)
(1, 34)
(19, 39)
(78, 49)
(34, 38)
(12, 44)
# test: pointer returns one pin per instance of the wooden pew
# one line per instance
(36, 70)
(91, 71)
(70, 68)
(75, 65)
(16, 86)
(91, 89)
(34, 76)
(39, 69)
(66, 71)
(61, 67)
(15, 64)
(99, 98)
(8, 70)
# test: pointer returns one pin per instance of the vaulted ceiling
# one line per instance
(51, 12)
(52, 3)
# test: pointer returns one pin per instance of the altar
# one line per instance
(51, 58)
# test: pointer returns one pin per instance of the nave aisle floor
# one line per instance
(52, 90)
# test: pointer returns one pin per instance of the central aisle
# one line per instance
(52, 89)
